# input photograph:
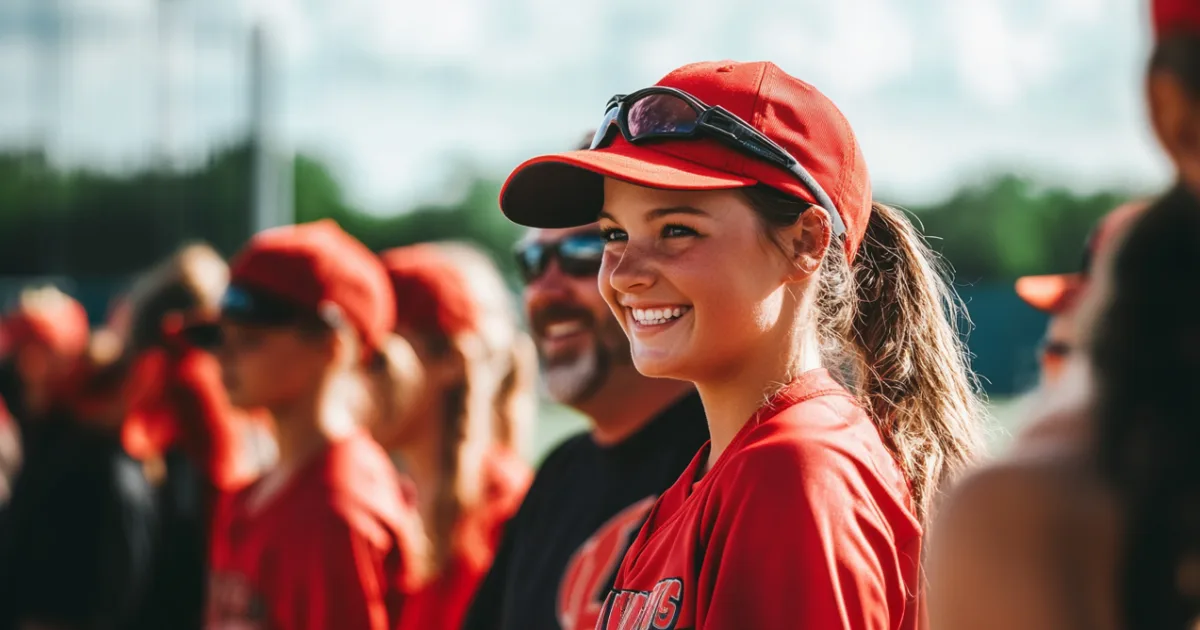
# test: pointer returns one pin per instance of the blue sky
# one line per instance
(398, 94)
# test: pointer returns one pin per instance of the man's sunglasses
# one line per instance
(578, 255)
(663, 113)
(1056, 349)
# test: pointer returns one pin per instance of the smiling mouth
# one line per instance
(658, 316)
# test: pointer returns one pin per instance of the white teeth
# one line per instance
(562, 329)
(655, 316)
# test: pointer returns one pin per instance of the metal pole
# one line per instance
(272, 165)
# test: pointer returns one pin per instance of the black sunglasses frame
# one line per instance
(553, 250)
(1055, 348)
(720, 124)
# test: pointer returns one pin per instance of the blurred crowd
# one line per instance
(127, 450)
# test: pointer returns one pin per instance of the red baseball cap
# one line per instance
(313, 266)
(1057, 293)
(567, 189)
(49, 317)
(1172, 17)
(431, 293)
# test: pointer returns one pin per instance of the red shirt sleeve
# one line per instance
(206, 417)
(798, 543)
(333, 577)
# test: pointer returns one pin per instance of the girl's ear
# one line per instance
(806, 241)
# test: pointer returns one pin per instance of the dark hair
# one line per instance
(585, 143)
(888, 326)
(1180, 55)
(1145, 354)
(174, 285)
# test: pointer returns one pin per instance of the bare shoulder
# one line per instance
(1006, 495)
(996, 546)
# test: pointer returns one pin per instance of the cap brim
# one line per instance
(567, 189)
(1051, 293)
(247, 305)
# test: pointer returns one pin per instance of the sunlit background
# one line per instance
(129, 126)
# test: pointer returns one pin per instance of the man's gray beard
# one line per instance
(576, 380)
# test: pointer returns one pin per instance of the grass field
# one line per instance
(556, 422)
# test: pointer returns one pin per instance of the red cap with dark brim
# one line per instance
(312, 266)
(567, 189)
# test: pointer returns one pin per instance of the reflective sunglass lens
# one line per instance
(659, 114)
(530, 261)
(590, 247)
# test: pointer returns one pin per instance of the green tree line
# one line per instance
(83, 223)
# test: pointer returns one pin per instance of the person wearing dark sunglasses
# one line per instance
(561, 551)
(1059, 296)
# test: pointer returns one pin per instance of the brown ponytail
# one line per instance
(516, 399)
(395, 378)
(889, 328)
(464, 441)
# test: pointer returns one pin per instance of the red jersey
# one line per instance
(443, 603)
(804, 522)
(328, 550)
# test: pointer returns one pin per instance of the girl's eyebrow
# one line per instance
(659, 213)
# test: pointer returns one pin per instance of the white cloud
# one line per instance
(853, 46)
(996, 59)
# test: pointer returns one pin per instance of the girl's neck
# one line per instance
(734, 395)
(306, 427)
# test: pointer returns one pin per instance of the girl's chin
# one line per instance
(659, 365)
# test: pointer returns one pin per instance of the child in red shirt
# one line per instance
(455, 439)
(327, 539)
(745, 254)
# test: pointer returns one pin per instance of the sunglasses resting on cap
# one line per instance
(664, 113)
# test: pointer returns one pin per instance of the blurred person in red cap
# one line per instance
(456, 312)
(1098, 530)
(1059, 295)
(45, 336)
(179, 422)
(176, 398)
(560, 552)
(328, 538)
(1101, 535)
(744, 253)
(77, 542)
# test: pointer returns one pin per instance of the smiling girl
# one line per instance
(744, 254)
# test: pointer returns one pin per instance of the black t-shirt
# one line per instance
(560, 552)
(76, 542)
(175, 598)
